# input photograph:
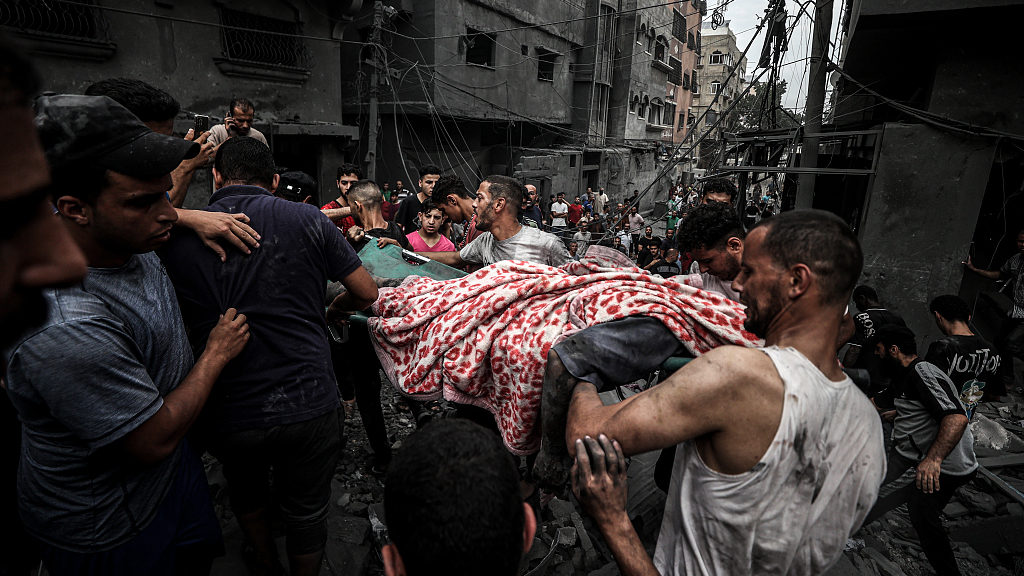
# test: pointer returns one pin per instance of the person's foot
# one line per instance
(551, 472)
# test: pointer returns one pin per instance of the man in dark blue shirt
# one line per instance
(276, 405)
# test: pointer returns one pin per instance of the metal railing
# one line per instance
(54, 18)
(255, 39)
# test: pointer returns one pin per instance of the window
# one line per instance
(524, 49)
(654, 113)
(642, 111)
(676, 75)
(694, 87)
(634, 101)
(695, 4)
(691, 42)
(696, 47)
(478, 47)
(716, 58)
(661, 49)
(678, 26)
(690, 119)
(546, 64)
(711, 118)
(686, 81)
(650, 40)
(258, 39)
(640, 31)
(716, 87)
(670, 113)
(53, 18)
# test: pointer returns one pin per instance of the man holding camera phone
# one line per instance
(238, 122)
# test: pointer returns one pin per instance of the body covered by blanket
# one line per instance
(484, 339)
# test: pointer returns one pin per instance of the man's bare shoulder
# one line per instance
(729, 368)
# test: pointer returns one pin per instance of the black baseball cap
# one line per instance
(98, 130)
(297, 184)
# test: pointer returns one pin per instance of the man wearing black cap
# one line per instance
(933, 448)
(296, 186)
(106, 387)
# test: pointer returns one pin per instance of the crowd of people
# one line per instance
(138, 336)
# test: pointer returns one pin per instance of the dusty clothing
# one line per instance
(529, 244)
(284, 373)
(219, 135)
(794, 510)
(97, 369)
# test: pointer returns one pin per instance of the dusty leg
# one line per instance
(553, 462)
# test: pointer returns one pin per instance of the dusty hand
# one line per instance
(229, 336)
(213, 226)
(969, 264)
(355, 234)
(205, 151)
(928, 475)
(599, 479)
(337, 312)
(889, 416)
(382, 242)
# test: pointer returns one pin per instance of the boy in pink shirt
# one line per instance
(428, 238)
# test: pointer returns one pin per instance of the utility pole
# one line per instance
(815, 107)
(374, 121)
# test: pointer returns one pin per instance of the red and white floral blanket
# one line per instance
(484, 339)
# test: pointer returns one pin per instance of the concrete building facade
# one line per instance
(685, 48)
(718, 88)
(280, 56)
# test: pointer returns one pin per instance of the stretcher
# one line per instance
(394, 262)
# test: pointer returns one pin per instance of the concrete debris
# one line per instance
(955, 510)
(990, 434)
(977, 501)
(561, 509)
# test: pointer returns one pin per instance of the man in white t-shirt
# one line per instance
(496, 208)
(559, 215)
(779, 455)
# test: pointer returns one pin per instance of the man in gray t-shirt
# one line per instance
(497, 208)
(106, 387)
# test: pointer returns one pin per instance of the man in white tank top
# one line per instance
(779, 454)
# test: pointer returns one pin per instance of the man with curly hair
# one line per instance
(713, 235)
(718, 190)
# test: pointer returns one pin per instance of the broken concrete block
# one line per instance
(955, 510)
(609, 569)
(591, 559)
(1015, 509)
(359, 508)
(885, 565)
(561, 509)
(977, 501)
(999, 535)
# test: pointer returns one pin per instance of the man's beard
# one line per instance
(889, 365)
(760, 318)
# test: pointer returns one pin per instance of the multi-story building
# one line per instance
(641, 72)
(685, 47)
(718, 88)
(280, 56)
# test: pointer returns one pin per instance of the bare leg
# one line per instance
(256, 528)
(306, 564)
(553, 462)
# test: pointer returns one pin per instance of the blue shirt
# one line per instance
(284, 374)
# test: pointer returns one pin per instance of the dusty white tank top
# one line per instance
(793, 512)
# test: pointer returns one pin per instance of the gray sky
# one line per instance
(744, 16)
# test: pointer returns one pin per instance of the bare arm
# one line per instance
(360, 292)
(993, 274)
(156, 438)
(852, 353)
(599, 482)
(182, 175)
(951, 429)
(453, 259)
(335, 214)
(694, 401)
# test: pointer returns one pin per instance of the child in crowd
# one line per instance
(428, 238)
